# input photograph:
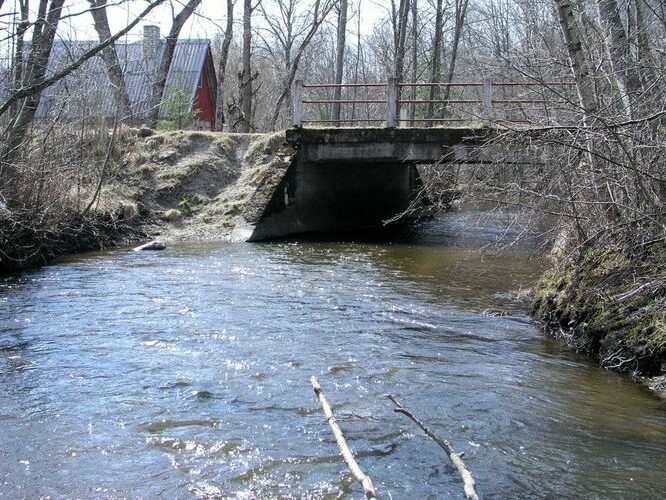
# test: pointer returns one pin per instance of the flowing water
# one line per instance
(185, 373)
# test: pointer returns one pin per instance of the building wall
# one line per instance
(203, 101)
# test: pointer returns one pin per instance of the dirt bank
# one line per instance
(176, 185)
(610, 303)
(199, 185)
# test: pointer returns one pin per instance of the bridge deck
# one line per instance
(416, 145)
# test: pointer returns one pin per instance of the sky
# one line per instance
(209, 19)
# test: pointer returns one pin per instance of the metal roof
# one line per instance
(88, 91)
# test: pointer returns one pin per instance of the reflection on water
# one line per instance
(185, 373)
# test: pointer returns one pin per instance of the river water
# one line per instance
(184, 373)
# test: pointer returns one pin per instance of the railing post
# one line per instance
(298, 103)
(391, 102)
(487, 101)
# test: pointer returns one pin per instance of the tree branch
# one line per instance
(348, 456)
(456, 458)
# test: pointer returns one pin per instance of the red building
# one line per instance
(205, 97)
(190, 91)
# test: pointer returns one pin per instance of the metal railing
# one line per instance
(489, 97)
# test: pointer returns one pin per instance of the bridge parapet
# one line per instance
(485, 102)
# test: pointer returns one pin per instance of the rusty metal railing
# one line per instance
(392, 100)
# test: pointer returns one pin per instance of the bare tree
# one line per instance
(401, 20)
(460, 15)
(222, 66)
(435, 58)
(292, 33)
(44, 30)
(167, 56)
(110, 58)
(21, 28)
(245, 76)
(339, 58)
(415, 59)
(616, 43)
(574, 44)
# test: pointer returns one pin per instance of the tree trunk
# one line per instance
(461, 14)
(615, 42)
(435, 59)
(42, 41)
(222, 68)
(415, 33)
(573, 40)
(357, 59)
(245, 76)
(110, 58)
(339, 59)
(403, 17)
(21, 28)
(167, 57)
(645, 58)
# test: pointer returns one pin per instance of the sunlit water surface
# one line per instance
(184, 373)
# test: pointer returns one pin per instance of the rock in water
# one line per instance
(202, 394)
(152, 245)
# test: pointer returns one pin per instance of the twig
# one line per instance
(368, 487)
(456, 458)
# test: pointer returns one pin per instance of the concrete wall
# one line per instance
(337, 196)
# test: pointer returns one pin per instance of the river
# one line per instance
(185, 373)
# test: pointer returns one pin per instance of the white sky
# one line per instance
(209, 19)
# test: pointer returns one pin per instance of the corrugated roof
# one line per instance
(88, 91)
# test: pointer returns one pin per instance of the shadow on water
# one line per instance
(496, 229)
(185, 372)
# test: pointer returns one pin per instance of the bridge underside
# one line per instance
(349, 179)
(337, 196)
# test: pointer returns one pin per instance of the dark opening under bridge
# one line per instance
(347, 178)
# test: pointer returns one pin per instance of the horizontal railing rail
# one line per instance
(393, 101)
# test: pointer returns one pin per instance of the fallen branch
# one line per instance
(368, 487)
(456, 458)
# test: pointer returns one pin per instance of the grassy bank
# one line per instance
(610, 302)
(99, 190)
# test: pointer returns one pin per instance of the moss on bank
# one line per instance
(609, 302)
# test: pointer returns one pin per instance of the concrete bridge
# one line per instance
(353, 178)
(344, 179)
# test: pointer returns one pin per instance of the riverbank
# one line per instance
(175, 185)
(609, 302)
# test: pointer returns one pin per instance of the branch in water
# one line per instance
(368, 487)
(456, 458)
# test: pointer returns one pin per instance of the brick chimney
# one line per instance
(151, 40)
